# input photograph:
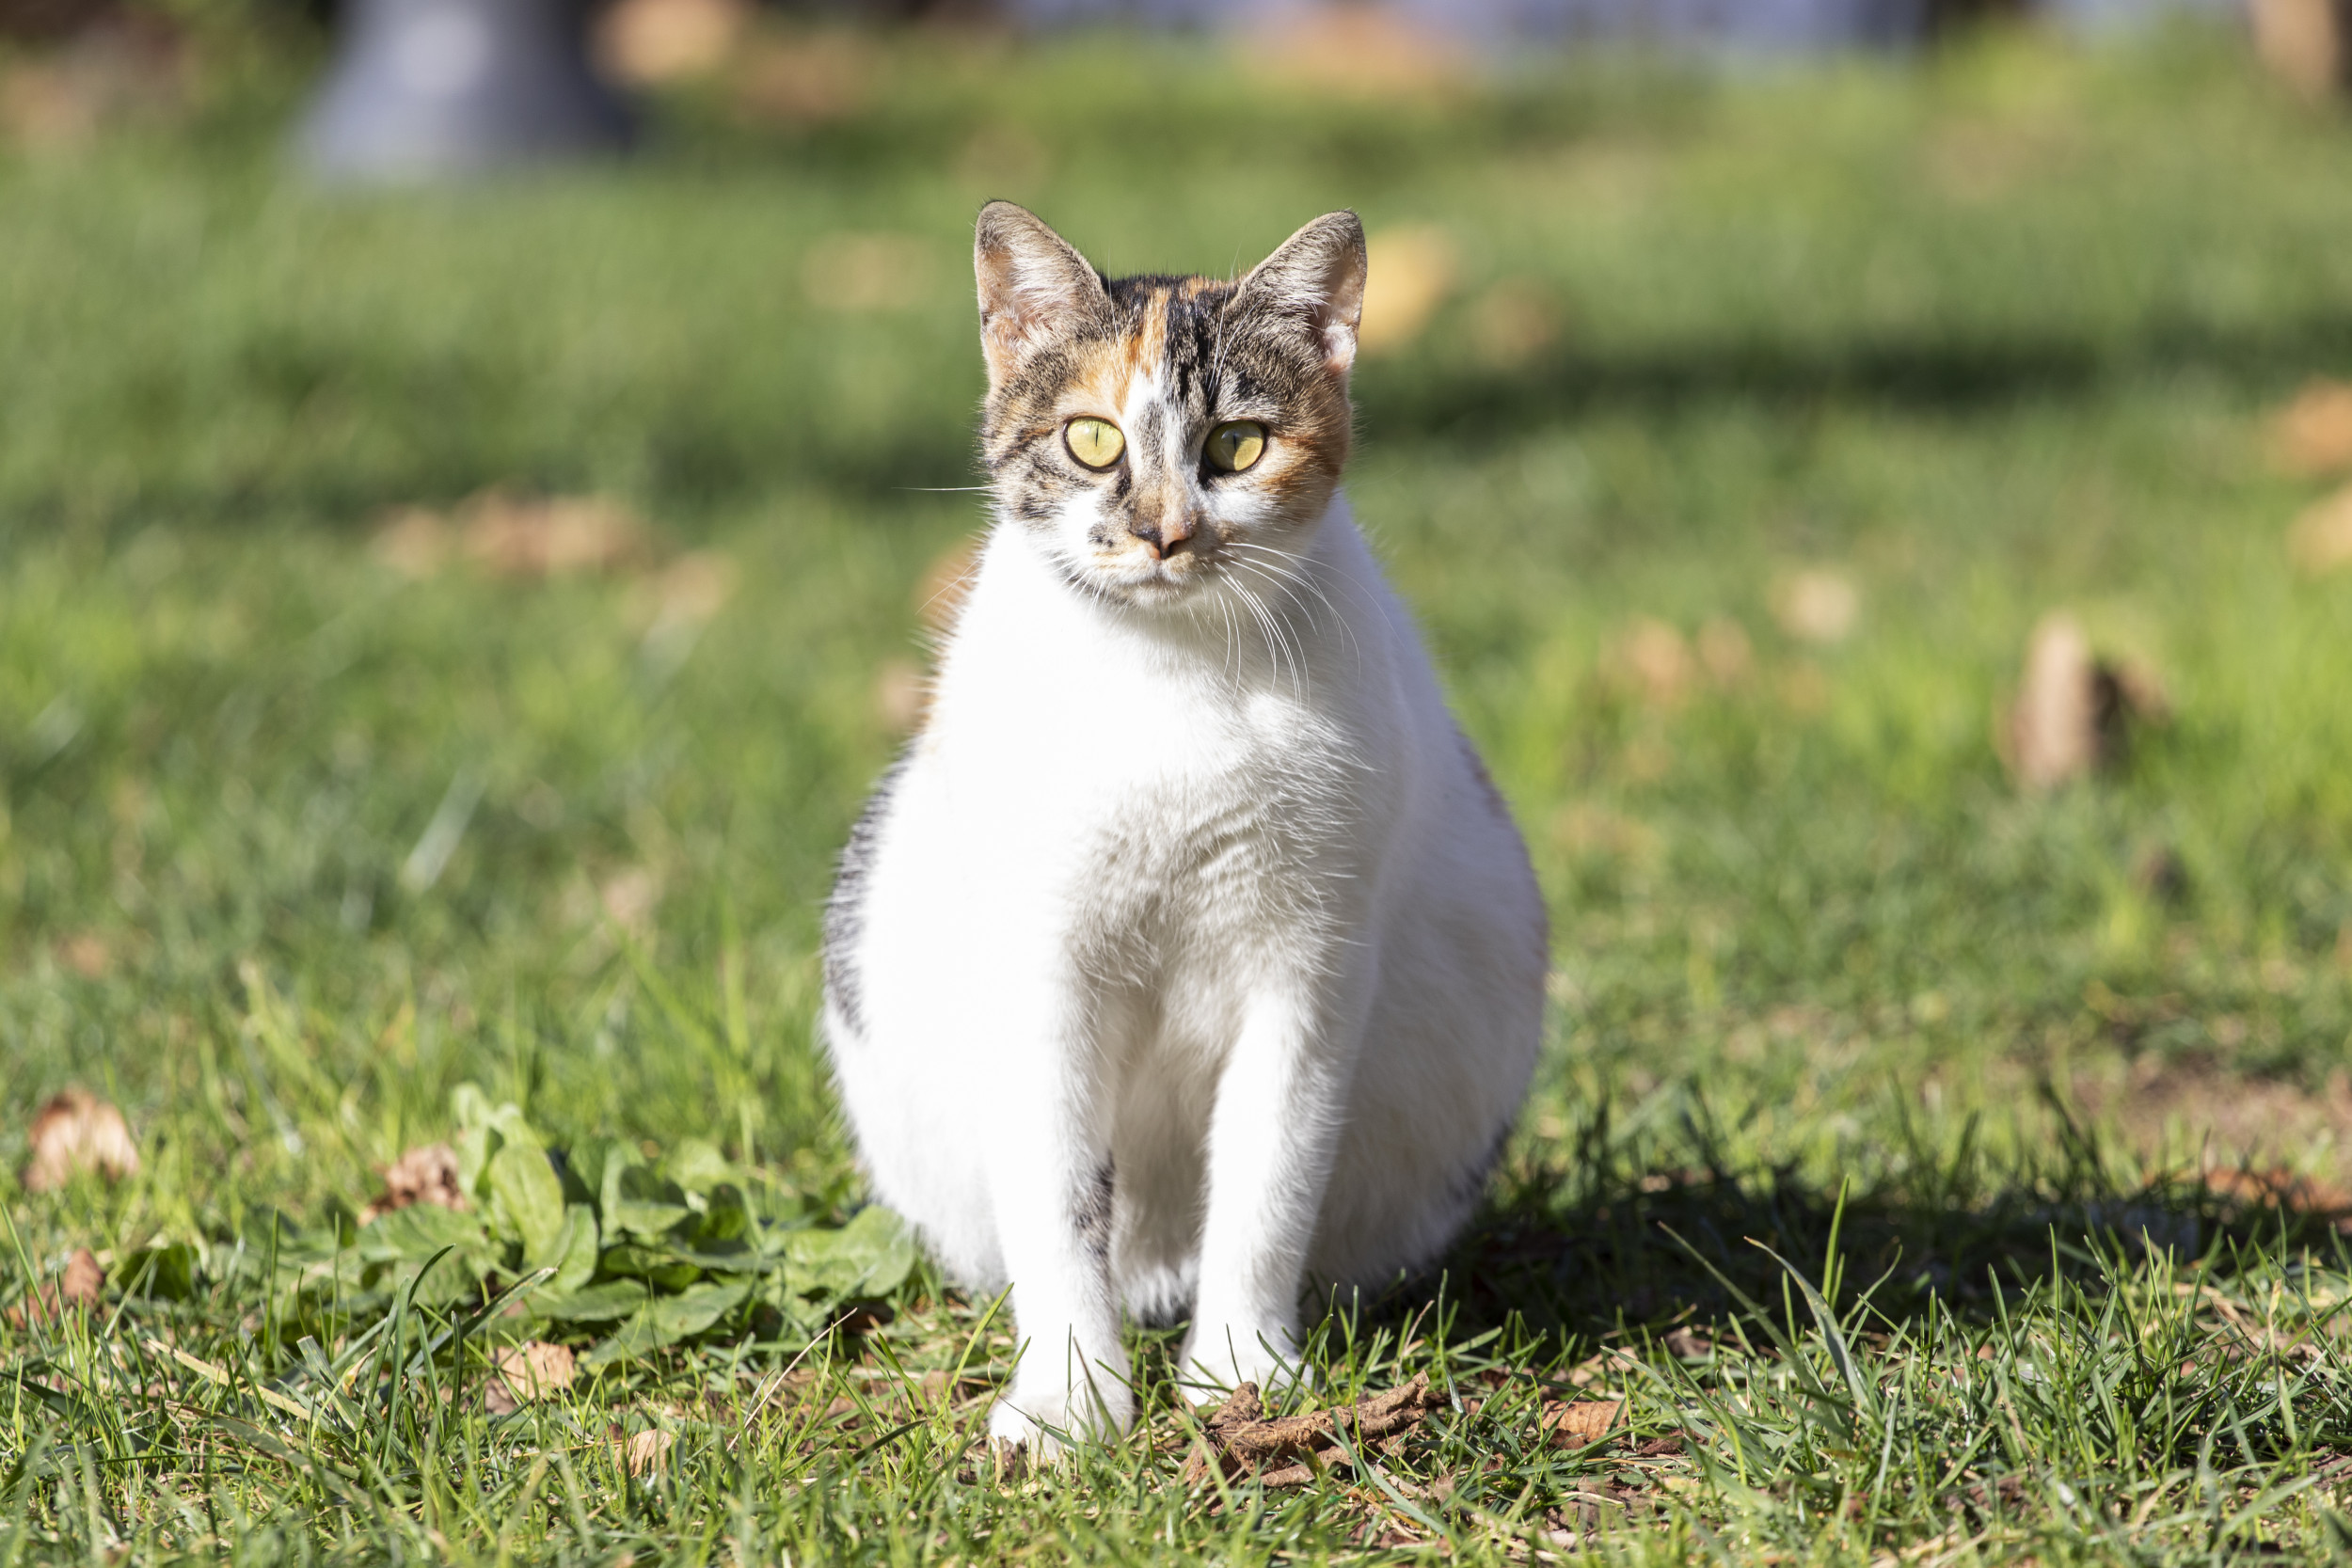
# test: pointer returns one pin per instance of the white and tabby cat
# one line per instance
(1188, 958)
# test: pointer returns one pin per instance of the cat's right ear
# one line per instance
(1034, 285)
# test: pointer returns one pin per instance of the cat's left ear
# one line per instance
(1317, 278)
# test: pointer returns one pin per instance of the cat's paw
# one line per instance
(1044, 1421)
(1230, 1355)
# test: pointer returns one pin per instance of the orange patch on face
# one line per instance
(1098, 383)
(1147, 344)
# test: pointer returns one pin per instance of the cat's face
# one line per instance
(1162, 438)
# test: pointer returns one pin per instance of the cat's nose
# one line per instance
(1166, 534)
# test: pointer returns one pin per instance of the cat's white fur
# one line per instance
(1197, 964)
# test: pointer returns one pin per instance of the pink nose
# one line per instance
(1166, 537)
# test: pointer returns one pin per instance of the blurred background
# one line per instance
(475, 477)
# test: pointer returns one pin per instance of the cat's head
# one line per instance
(1157, 436)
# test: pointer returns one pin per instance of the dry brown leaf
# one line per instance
(1725, 649)
(651, 42)
(2279, 1188)
(862, 273)
(629, 897)
(2312, 434)
(1817, 605)
(1411, 272)
(806, 81)
(528, 1371)
(1239, 1439)
(1356, 52)
(2303, 43)
(427, 1173)
(1574, 1423)
(2321, 539)
(77, 1131)
(900, 695)
(80, 1286)
(539, 536)
(1512, 323)
(2073, 710)
(413, 542)
(1658, 659)
(649, 1451)
(947, 582)
(1688, 1344)
(86, 954)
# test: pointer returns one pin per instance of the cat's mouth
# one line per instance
(1141, 578)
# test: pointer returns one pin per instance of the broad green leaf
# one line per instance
(413, 1234)
(666, 1320)
(654, 1264)
(165, 1272)
(871, 1256)
(526, 1199)
(697, 1166)
(598, 1304)
(575, 1255)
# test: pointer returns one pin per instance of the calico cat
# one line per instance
(1187, 959)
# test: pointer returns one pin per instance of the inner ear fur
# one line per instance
(1317, 278)
(1034, 285)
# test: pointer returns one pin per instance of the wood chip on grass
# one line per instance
(1239, 1439)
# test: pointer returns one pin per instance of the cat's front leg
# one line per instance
(1051, 1181)
(1272, 1140)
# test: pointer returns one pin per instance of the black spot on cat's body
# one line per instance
(845, 911)
(1090, 1210)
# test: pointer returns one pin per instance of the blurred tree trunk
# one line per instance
(2303, 42)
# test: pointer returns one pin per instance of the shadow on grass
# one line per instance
(1591, 1241)
(1932, 369)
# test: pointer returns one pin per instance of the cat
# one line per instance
(1188, 958)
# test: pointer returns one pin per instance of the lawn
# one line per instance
(445, 637)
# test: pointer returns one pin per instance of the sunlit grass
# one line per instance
(1975, 337)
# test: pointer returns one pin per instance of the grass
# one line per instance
(1984, 335)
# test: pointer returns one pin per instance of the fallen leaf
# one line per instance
(864, 273)
(1239, 1438)
(427, 1173)
(1817, 605)
(1573, 1424)
(413, 542)
(1725, 649)
(1411, 272)
(1356, 52)
(77, 1131)
(2279, 1188)
(1688, 1344)
(2312, 434)
(627, 897)
(2073, 710)
(80, 1286)
(1512, 323)
(2321, 539)
(947, 582)
(528, 1371)
(1658, 660)
(651, 43)
(2303, 43)
(806, 81)
(86, 954)
(539, 536)
(649, 1451)
(900, 695)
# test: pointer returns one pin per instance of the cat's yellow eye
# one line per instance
(1235, 445)
(1096, 443)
